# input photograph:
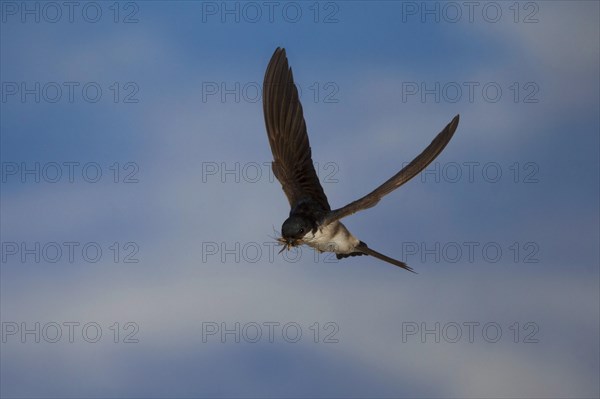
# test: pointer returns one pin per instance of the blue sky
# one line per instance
(139, 248)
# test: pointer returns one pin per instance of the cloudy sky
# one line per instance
(138, 210)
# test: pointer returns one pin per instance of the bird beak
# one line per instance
(287, 243)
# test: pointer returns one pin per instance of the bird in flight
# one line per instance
(311, 220)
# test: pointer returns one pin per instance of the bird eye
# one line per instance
(301, 230)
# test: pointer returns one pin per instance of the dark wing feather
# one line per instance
(412, 169)
(292, 161)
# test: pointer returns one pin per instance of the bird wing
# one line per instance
(286, 129)
(408, 172)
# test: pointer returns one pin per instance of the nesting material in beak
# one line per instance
(287, 243)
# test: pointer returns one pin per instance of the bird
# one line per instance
(311, 220)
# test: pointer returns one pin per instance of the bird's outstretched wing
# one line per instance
(408, 172)
(292, 161)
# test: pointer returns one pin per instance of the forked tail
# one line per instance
(365, 249)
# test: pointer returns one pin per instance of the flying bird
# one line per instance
(311, 220)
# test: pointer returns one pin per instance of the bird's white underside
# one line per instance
(334, 237)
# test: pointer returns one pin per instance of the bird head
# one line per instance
(293, 230)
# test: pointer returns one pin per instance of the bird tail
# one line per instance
(368, 251)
